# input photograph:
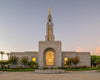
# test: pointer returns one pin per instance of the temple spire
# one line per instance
(49, 11)
(49, 28)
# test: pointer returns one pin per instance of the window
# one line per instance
(65, 62)
(34, 59)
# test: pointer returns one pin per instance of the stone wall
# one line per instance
(30, 55)
(44, 45)
(85, 57)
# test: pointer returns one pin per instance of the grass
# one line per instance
(99, 70)
(67, 69)
(86, 69)
(17, 70)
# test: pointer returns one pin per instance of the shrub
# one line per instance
(75, 60)
(69, 62)
(94, 59)
(13, 60)
(18, 68)
(97, 61)
(83, 67)
(51, 68)
(24, 61)
(62, 67)
(98, 66)
(4, 62)
(45, 68)
(2, 66)
(77, 67)
(8, 66)
(32, 64)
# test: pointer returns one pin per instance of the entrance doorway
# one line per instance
(49, 58)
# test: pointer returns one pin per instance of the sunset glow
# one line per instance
(76, 23)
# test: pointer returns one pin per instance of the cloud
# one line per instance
(79, 49)
(97, 50)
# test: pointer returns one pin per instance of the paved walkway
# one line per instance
(71, 75)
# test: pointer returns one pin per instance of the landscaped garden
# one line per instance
(70, 64)
(6, 65)
(73, 62)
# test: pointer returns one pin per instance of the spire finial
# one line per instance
(49, 11)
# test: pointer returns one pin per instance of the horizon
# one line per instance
(76, 24)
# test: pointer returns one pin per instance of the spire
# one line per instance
(49, 11)
(49, 28)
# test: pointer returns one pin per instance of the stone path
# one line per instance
(70, 75)
(50, 71)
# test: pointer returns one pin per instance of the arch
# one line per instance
(65, 62)
(49, 48)
(49, 55)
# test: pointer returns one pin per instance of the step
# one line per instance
(50, 71)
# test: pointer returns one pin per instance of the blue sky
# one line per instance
(76, 24)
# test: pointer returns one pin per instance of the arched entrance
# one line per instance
(49, 58)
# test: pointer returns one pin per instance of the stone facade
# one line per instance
(84, 57)
(59, 56)
(56, 50)
(46, 45)
(30, 55)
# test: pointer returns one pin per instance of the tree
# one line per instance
(97, 61)
(1, 55)
(69, 62)
(75, 60)
(32, 64)
(94, 59)
(4, 64)
(0, 63)
(13, 60)
(8, 55)
(24, 61)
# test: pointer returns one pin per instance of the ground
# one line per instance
(70, 75)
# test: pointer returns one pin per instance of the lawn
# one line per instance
(13, 70)
(67, 69)
(85, 69)
(99, 70)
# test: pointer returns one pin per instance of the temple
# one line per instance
(50, 52)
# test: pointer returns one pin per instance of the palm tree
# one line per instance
(8, 55)
(1, 55)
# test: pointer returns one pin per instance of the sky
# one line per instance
(76, 24)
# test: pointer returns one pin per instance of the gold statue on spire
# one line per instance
(49, 11)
